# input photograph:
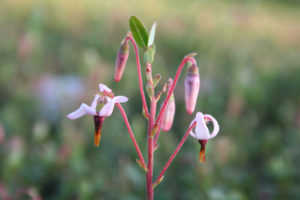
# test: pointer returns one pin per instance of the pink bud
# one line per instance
(170, 111)
(121, 60)
(169, 116)
(191, 88)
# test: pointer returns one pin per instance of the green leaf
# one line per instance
(152, 34)
(138, 31)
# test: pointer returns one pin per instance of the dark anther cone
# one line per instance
(98, 126)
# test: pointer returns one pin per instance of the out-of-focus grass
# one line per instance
(54, 53)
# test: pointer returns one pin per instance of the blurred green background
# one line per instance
(54, 53)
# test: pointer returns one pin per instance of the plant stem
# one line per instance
(139, 74)
(149, 174)
(131, 134)
(185, 60)
(175, 152)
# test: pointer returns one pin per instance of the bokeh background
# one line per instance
(54, 53)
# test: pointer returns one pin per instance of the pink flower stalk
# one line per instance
(191, 88)
(121, 60)
(101, 107)
(202, 133)
(170, 111)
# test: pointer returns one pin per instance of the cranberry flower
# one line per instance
(202, 133)
(101, 107)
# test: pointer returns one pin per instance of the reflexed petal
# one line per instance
(107, 108)
(103, 88)
(120, 99)
(82, 110)
(201, 129)
(94, 103)
(216, 125)
(193, 134)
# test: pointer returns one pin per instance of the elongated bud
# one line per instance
(169, 116)
(121, 60)
(98, 126)
(170, 111)
(191, 88)
(202, 150)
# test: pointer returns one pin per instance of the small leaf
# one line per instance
(141, 165)
(158, 182)
(138, 31)
(152, 34)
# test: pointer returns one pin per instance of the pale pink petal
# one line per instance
(120, 99)
(193, 134)
(82, 110)
(95, 101)
(216, 126)
(103, 88)
(107, 108)
(201, 129)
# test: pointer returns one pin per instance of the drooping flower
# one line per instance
(202, 133)
(170, 111)
(121, 60)
(101, 107)
(191, 88)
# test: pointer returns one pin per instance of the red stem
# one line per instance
(159, 127)
(131, 133)
(186, 59)
(175, 152)
(149, 174)
(139, 74)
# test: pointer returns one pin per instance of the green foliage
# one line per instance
(138, 31)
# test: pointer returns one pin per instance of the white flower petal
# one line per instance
(103, 88)
(107, 108)
(120, 99)
(216, 126)
(82, 110)
(193, 134)
(201, 129)
(95, 101)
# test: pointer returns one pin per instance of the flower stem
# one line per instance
(139, 74)
(149, 174)
(185, 60)
(174, 153)
(131, 134)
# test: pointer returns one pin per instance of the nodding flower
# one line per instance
(121, 60)
(170, 111)
(191, 88)
(202, 133)
(101, 107)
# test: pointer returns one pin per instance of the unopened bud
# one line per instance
(156, 79)
(169, 115)
(121, 60)
(191, 88)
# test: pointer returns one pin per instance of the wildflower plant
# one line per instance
(103, 104)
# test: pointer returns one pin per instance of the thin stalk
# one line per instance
(175, 153)
(185, 60)
(149, 174)
(139, 74)
(131, 134)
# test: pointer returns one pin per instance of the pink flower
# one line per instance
(105, 101)
(202, 133)
(121, 60)
(191, 88)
